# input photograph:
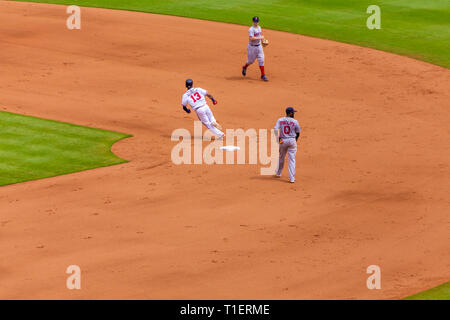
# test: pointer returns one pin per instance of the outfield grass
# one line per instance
(439, 293)
(33, 148)
(416, 28)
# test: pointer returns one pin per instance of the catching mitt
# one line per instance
(265, 43)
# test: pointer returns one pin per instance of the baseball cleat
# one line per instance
(276, 176)
(263, 77)
(244, 71)
(291, 181)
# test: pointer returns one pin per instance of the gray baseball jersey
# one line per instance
(254, 32)
(288, 126)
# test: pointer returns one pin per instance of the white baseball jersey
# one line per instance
(195, 97)
(254, 32)
(288, 126)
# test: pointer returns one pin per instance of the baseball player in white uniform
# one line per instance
(289, 131)
(254, 48)
(196, 99)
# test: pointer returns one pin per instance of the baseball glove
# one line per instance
(265, 43)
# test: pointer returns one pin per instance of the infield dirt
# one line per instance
(372, 168)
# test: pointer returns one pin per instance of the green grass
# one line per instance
(439, 293)
(33, 148)
(416, 28)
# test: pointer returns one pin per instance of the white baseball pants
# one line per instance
(206, 116)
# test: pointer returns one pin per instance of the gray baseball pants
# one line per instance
(288, 146)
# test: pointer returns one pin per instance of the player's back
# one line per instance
(195, 97)
(288, 126)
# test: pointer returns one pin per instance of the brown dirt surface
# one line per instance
(372, 168)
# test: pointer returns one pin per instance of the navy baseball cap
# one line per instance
(290, 109)
(255, 19)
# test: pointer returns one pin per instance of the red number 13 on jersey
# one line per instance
(195, 97)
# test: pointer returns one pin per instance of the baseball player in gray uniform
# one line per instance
(254, 48)
(289, 131)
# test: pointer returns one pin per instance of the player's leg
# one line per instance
(261, 59)
(282, 156)
(251, 57)
(217, 132)
(202, 114)
(292, 150)
(212, 119)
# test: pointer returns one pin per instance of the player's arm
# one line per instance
(185, 108)
(257, 38)
(184, 102)
(276, 131)
(297, 131)
(214, 101)
(253, 38)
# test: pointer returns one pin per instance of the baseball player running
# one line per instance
(289, 131)
(254, 48)
(196, 99)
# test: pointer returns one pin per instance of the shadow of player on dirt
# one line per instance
(192, 138)
(269, 178)
(240, 78)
